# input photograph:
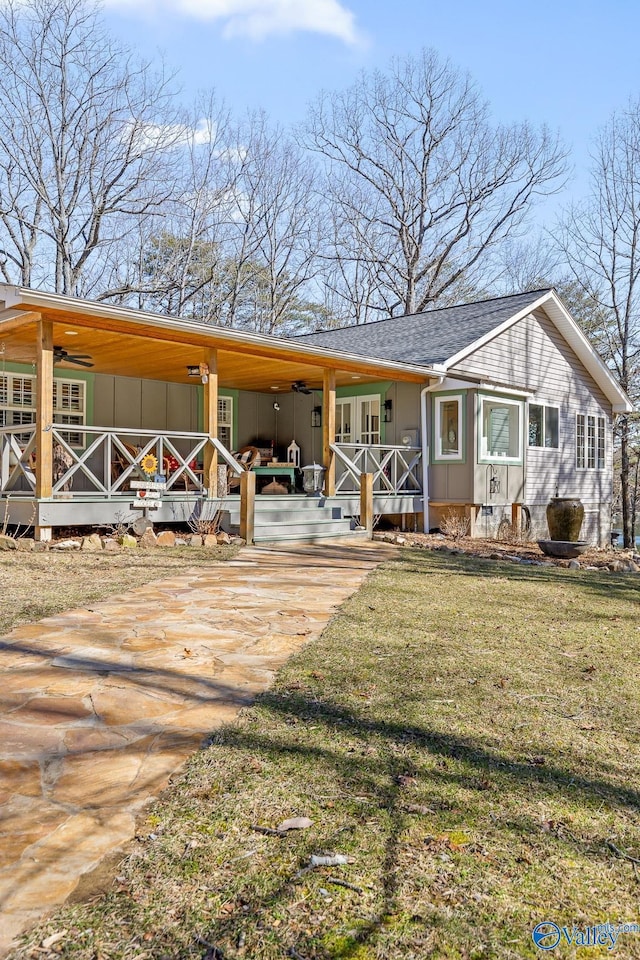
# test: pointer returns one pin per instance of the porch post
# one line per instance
(247, 505)
(44, 418)
(366, 503)
(329, 430)
(211, 422)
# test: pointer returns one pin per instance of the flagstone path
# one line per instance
(100, 706)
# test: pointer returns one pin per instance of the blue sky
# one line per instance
(568, 64)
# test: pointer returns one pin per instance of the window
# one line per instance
(501, 429)
(225, 421)
(358, 420)
(448, 433)
(18, 403)
(344, 420)
(590, 442)
(543, 426)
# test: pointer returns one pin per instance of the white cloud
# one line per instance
(258, 18)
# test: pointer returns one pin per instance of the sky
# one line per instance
(566, 63)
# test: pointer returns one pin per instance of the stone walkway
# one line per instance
(100, 706)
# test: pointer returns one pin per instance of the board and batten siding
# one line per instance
(533, 356)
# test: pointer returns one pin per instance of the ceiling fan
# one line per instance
(299, 386)
(79, 359)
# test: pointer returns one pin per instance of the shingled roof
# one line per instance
(425, 338)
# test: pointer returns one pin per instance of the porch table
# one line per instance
(276, 470)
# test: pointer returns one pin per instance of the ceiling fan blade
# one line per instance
(78, 363)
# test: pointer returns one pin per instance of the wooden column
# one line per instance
(44, 418)
(366, 503)
(211, 422)
(247, 505)
(329, 430)
(516, 518)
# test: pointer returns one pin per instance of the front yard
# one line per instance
(464, 735)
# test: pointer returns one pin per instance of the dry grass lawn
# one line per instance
(465, 733)
(36, 585)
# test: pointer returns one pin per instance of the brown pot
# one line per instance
(564, 518)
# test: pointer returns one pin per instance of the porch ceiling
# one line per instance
(164, 355)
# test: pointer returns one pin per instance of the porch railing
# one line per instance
(395, 469)
(109, 459)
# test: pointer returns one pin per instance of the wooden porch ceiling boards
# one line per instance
(165, 354)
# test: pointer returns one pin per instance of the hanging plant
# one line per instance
(149, 464)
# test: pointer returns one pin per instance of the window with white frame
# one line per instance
(500, 429)
(358, 419)
(543, 426)
(225, 421)
(448, 427)
(18, 403)
(344, 420)
(590, 442)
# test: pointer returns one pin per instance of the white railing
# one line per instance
(109, 459)
(17, 458)
(395, 469)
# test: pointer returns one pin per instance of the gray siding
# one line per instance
(532, 356)
(144, 404)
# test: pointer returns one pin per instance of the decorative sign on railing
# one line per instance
(111, 460)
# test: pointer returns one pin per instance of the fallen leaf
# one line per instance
(295, 823)
(54, 938)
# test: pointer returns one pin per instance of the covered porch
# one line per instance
(191, 396)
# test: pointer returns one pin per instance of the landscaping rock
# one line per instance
(574, 565)
(91, 543)
(238, 541)
(195, 540)
(223, 537)
(167, 539)
(149, 538)
(25, 544)
(7, 543)
(66, 545)
(110, 544)
(181, 542)
(128, 542)
(40, 546)
(210, 540)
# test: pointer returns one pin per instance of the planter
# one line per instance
(563, 548)
(564, 518)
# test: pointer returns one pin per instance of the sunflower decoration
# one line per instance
(149, 464)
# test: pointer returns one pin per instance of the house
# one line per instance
(486, 409)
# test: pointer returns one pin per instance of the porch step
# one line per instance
(316, 529)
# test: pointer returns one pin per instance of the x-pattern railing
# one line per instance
(110, 458)
(395, 469)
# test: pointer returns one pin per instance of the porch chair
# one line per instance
(247, 457)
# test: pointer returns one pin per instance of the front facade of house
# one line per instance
(510, 406)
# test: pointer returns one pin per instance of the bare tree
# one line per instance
(85, 137)
(416, 170)
(601, 239)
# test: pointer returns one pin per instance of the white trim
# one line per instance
(571, 332)
(438, 455)
(36, 299)
(494, 458)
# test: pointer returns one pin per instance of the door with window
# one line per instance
(358, 420)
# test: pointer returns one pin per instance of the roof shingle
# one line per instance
(425, 338)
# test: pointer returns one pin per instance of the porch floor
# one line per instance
(101, 706)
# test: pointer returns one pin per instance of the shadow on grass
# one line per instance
(381, 779)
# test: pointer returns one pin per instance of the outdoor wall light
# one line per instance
(199, 370)
(316, 417)
(388, 411)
